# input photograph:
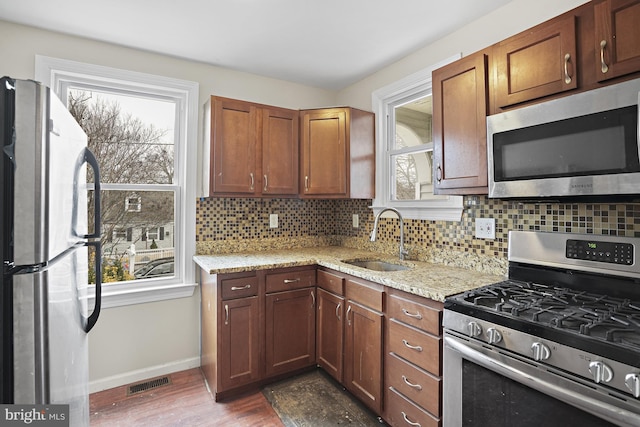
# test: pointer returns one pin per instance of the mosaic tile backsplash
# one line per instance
(233, 224)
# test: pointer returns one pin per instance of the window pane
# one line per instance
(137, 244)
(413, 123)
(132, 137)
(413, 176)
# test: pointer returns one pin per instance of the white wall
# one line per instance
(516, 16)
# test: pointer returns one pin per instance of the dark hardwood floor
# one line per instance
(184, 402)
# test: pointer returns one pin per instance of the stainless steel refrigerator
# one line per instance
(44, 247)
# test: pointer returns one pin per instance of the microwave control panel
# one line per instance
(593, 250)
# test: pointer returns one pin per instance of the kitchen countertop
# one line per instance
(429, 280)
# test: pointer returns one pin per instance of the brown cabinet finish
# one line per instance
(254, 149)
(617, 38)
(329, 332)
(425, 315)
(404, 412)
(459, 126)
(239, 349)
(538, 62)
(331, 282)
(239, 287)
(289, 280)
(415, 346)
(290, 330)
(337, 158)
(416, 384)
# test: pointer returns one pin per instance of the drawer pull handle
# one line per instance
(338, 310)
(348, 311)
(240, 288)
(412, 347)
(407, 382)
(415, 316)
(313, 298)
(603, 64)
(253, 181)
(287, 281)
(408, 421)
(567, 77)
(226, 314)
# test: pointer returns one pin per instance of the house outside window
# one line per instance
(143, 130)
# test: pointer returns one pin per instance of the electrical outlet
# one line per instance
(486, 228)
(273, 221)
(356, 221)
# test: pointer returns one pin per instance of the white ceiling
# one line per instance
(323, 43)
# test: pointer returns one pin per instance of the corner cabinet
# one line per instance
(460, 103)
(337, 153)
(330, 324)
(617, 38)
(253, 148)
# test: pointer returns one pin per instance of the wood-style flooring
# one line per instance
(184, 402)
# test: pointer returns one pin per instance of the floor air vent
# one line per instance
(148, 385)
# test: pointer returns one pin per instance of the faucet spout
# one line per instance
(374, 232)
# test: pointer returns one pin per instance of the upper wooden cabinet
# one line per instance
(253, 148)
(617, 38)
(337, 158)
(459, 126)
(536, 63)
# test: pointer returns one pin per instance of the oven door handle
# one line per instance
(586, 403)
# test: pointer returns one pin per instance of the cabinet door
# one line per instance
(617, 38)
(363, 355)
(290, 330)
(238, 348)
(324, 153)
(279, 151)
(537, 63)
(234, 127)
(329, 334)
(459, 126)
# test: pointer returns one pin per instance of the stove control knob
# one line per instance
(632, 381)
(494, 336)
(600, 372)
(540, 351)
(474, 329)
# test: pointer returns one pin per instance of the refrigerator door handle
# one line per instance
(93, 317)
(88, 157)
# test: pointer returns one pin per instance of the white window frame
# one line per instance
(384, 100)
(57, 74)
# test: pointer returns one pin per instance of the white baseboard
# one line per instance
(142, 374)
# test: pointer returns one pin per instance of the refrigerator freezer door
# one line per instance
(51, 363)
(50, 176)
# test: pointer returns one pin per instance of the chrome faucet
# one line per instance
(403, 252)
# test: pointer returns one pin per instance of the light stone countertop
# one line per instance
(429, 280)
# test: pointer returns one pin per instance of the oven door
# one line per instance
(487, 386)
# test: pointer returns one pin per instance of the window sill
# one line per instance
(449, 210)
(119, 295)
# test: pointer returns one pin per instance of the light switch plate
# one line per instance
(356, 221)
(273, 221)
(486, 228)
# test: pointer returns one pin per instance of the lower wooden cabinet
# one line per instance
(290, 330)
(329, 333)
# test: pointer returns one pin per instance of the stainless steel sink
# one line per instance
(377, 265)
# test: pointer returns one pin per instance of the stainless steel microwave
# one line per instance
(585, 144)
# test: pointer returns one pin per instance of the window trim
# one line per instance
(54, 73)
(448, 208)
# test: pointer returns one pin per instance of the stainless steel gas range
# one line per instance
(556, 344)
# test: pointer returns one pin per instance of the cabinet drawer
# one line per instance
(416, 384)
(331, 282)
(403, 412)
(368, 296)
(417, 347)
(239, 287)
(278, 282)
(415, 314)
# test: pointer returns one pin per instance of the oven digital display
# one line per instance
(591, 250)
